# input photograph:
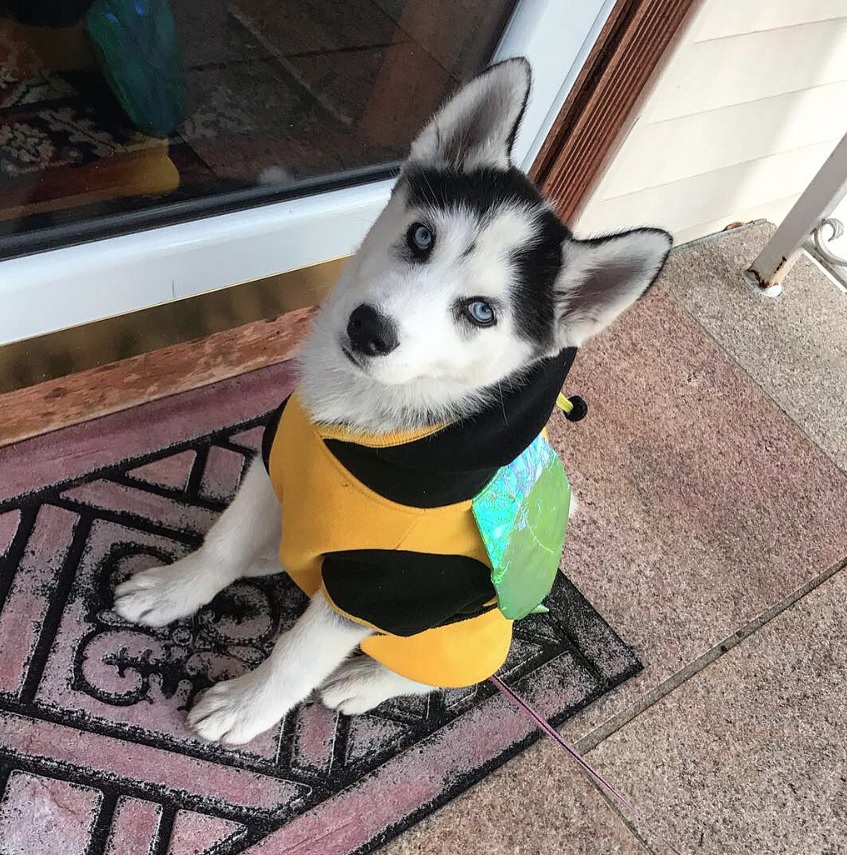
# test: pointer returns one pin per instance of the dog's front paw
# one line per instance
(162, 595)
(235, 711)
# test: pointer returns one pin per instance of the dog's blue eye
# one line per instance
(480, 313)
(420, 238)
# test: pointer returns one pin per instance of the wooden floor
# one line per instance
(80, 373)
(109, 388)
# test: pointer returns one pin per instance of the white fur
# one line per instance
(573, 508)
(236, 711)
(243, 542)
(601, 280)
(473, 128)
(441, 369)
(362, 684)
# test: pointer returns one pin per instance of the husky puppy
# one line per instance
(436, 360)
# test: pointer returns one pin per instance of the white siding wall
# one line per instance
(746, 111)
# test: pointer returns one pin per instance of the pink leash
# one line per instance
(595, 777)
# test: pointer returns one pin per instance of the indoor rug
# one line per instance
(95, 756)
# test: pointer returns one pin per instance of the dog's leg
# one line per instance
(242, 542)
(237, 710)
(362, 684)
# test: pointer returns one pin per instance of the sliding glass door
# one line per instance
(152, 150)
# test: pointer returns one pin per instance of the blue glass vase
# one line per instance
(140, 55)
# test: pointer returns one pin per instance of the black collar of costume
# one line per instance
(455, 463)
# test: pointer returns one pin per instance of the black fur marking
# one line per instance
(537, 264)
(510, 140)
(533, 292)
(480, 191)
(599, 241)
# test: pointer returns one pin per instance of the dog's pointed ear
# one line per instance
(602, 278)
(477, 126)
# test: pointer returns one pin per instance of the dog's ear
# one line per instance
(477, 126)
(601, 278)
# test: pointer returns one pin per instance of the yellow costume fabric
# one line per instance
(326, 510)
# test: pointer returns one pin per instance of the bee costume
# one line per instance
(436, 538)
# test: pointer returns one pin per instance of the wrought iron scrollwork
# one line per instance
(837, 230)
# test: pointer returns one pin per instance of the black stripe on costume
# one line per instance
(454, 464)
(383, 471)
(404, 593)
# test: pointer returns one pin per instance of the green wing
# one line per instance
(522, 516)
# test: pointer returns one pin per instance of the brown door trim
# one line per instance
(631, 48)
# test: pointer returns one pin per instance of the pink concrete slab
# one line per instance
(536, 805)
(793, 347)
(700, 503)
(750, 754)
(44, 816)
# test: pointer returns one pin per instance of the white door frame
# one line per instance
(61, 288)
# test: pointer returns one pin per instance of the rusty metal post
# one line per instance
(816, 202)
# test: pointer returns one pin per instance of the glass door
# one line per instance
(152, 150)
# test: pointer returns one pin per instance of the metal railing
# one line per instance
(808, 217)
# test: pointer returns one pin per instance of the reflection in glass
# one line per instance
(109, 107)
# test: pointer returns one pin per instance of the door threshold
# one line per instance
(74, 375)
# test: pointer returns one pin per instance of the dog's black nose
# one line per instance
(371, 332)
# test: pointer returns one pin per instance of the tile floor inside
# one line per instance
(713, 488)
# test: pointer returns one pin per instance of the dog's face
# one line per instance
(468, 276)
(454, 282)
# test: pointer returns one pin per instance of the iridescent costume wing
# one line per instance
(522, 516)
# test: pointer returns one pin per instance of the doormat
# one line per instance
(94, 751)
